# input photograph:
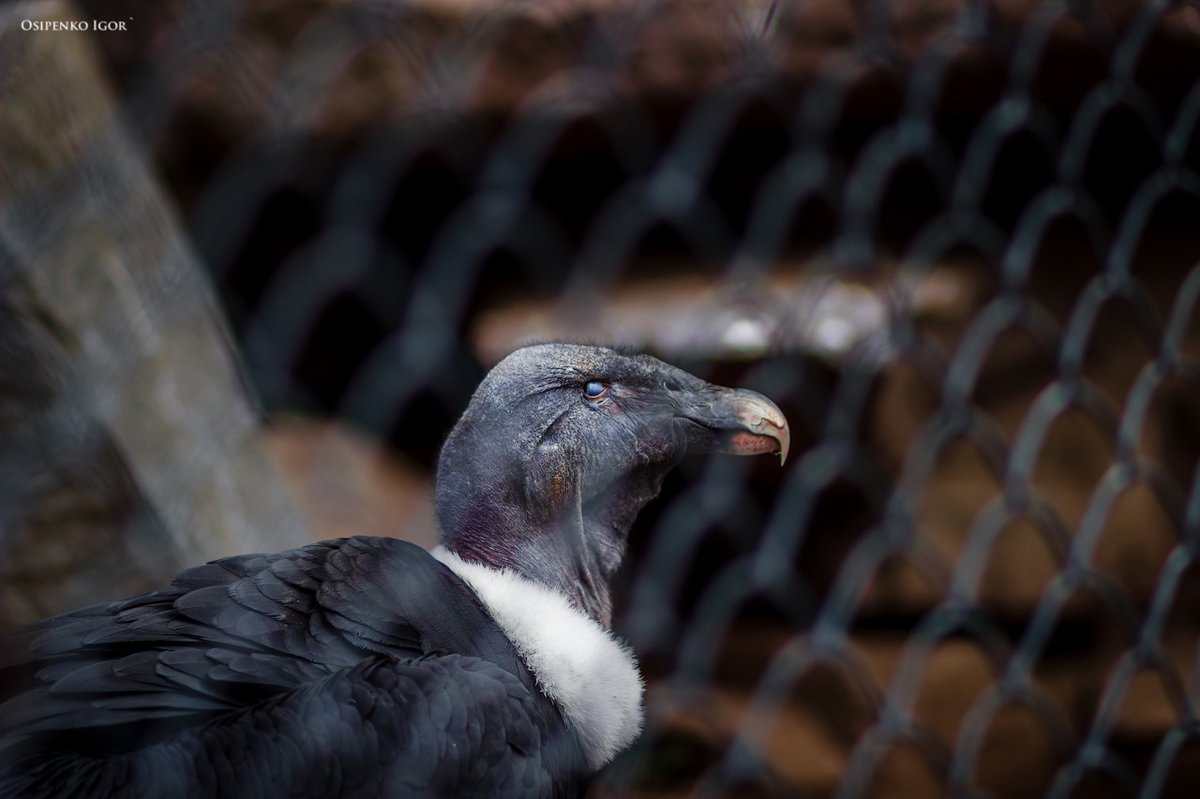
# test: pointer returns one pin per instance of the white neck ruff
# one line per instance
(587, 671)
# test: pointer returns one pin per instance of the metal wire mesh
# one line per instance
(979, 577)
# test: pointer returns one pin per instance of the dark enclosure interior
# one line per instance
(958, 242)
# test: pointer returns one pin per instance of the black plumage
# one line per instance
(364, 666)
(354, 667)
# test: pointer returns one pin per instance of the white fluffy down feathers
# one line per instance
(591, 675)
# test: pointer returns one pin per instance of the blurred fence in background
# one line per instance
(958, 242)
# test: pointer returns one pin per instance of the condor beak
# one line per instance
(744, 423)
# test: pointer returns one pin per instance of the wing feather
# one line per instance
(223, 635)
(353, 666)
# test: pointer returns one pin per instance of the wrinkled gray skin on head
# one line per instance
(537, 478)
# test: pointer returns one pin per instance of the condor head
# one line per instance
(563, 444)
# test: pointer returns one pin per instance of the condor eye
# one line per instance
(595, 390)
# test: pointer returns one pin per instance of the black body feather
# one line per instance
(358, 667)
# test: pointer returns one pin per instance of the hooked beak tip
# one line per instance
(761, 419)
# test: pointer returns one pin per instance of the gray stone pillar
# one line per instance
(128, 445)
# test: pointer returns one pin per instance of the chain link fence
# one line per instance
(958, 242)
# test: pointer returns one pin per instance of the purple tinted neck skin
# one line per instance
(575, 552)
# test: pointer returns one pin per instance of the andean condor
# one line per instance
(370, 667)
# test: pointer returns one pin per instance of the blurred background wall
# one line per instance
(958, 242)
